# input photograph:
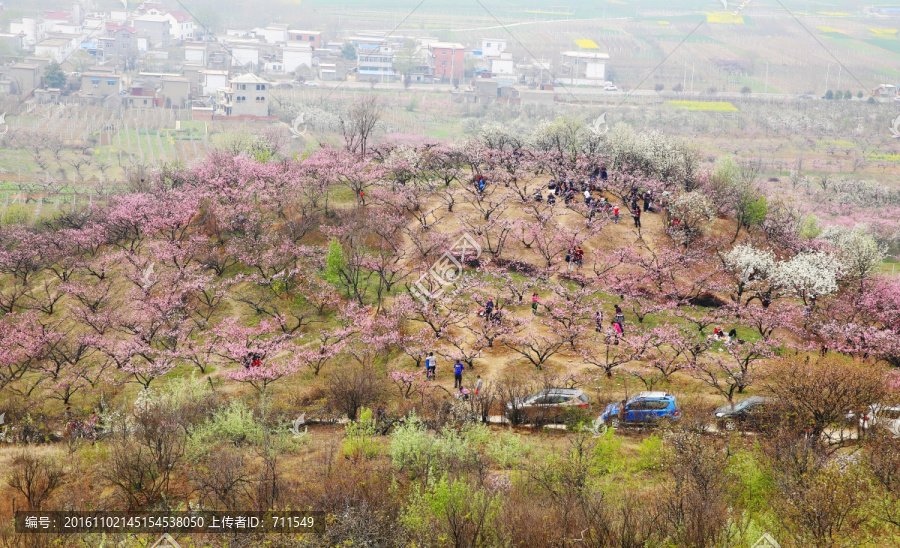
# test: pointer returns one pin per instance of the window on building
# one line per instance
(443, 63)
(263, 87)
(257, 87)
(311, 39)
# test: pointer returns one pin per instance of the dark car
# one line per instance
(754, 413)
(645, 408)
(548, 405)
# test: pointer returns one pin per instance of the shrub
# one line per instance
(507, 450)
(456, 512)
(424, 455)
(142, 468)
(351, 388)
(651, 453)
(35, 477)
(234, 424)
(360, 441)
(17, 214)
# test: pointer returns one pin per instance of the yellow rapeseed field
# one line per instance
(724, 17)
(712, 106)
(587, 43)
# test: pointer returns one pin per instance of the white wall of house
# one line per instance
(595, 71)
(492, 48)
(271, 36)
(294, 57)
(195, 55)
(245, 57)
(34, 30)
(180, 30)
(212, 82)
(503, 66)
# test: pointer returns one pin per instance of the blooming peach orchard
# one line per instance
(229, 297)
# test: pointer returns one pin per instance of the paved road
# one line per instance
(565, 93)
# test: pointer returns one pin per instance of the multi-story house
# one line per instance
(447, 61)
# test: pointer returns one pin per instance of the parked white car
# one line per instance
(611, 88)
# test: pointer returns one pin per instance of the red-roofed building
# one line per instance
(181, 25)
(119, 44)
(57, 16)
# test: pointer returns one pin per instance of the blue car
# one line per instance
(644, 408)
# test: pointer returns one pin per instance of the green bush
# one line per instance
(17, 214)
(651, 453)
(234, 424)
(608, 452)
(576, 418)
(429, 516)
(360, 439)
(425, 455)
(508, 450)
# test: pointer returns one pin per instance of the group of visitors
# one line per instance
(574, 257)
(458, 369)
(728, 338)
(252, 359)
(568, 190)
(490, 312)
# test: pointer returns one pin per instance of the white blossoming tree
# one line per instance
(694, 213)
(860, 255)
(809, 275)
(751, 271)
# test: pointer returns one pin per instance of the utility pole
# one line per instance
(692, 78)
(767, 78)
(827, 71)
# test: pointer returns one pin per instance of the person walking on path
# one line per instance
(619, 317)
(616, 215)
(478, 384)
(570, 260)
(603, 174)
(458, 369)
(430, 366)
(648, 197)
(620, 332)
(637, 217)
(534, 304)
(579, 256)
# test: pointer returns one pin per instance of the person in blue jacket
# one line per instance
(458, 368)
